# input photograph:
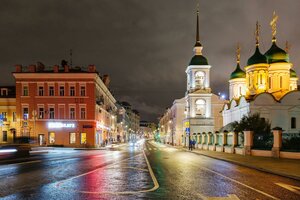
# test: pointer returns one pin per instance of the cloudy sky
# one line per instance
(144, 45)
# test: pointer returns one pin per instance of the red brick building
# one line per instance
(64, 106)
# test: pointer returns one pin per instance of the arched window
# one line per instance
(293, 122)
(199, 79)
(270, 82)
(200, 107)
(280, 81)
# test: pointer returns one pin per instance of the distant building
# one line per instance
(64, 106)
(8, 117)
(147, 129)
(134, 121)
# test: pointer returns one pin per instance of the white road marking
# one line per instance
(292, 188)
(229, 197)
(240, 183)
(155, 182)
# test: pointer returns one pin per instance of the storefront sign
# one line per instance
(60, 125)
(101, 126)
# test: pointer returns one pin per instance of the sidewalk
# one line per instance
(289, 168)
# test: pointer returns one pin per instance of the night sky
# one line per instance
(144, 45)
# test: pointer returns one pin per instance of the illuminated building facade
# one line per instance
(8, 117)
(267, 86)
(64, 106)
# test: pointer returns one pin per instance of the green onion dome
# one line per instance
(198, 60)
(293, 74)
(276, 54)
(257, 58)
(237, 73)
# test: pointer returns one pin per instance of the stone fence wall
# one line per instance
(238, 143)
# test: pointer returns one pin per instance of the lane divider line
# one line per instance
(240, 183)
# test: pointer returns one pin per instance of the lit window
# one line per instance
(293, 122)
(83, 138)
(270, 82)
(41, 91)
(25, 90)
(14, 116)
(51, 113)
(61, 91)
(25, 113)
(72, 91)
(82, 90)
(72, 113)
(41, 113)
(82, 113)
(261, 79)
(199, 79)
(280, 81)
(200, 107)
(51, 91)
(72, 138)
(51, 137)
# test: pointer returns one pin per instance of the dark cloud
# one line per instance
(144, 45)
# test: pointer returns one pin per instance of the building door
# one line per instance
(14, 136)
(41, 139)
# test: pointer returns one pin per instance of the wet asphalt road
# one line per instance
(148, 171)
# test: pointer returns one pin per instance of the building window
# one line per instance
(51, 91)
(4, 133)
(83, 138)
(14, 117)
(51, 137)
(293, 122)
(41, 91)
(51, 113)
(260, 79)
(25, 90)
(4, 92)
(199, 79)
(41, 113)
(82, 90)
(61, 91)
(72, 91)
(280, 81)
(25, 113)
(82, 113)
(72, 113)
(72, 138)
(270, 82)
(200, 107)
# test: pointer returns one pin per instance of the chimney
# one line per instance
(55, 68)
(31, 68)
(66, 67)
(106, 80)
(18, 68)
(91, 68)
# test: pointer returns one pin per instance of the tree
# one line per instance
(253, 122)
(260, 127)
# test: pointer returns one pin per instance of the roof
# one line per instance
(276, 54)
(257, 58)
(238, 73)
(293, 74)
(198, 60)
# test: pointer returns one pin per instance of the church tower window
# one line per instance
(199, 79)
(200, 107)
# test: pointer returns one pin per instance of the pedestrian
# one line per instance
(191, 145)
(194, 143)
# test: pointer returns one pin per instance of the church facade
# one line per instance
(267, 85)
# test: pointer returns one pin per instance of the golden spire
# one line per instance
(238, 53)
(257, 30)
(287, 47)
(273, 24)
